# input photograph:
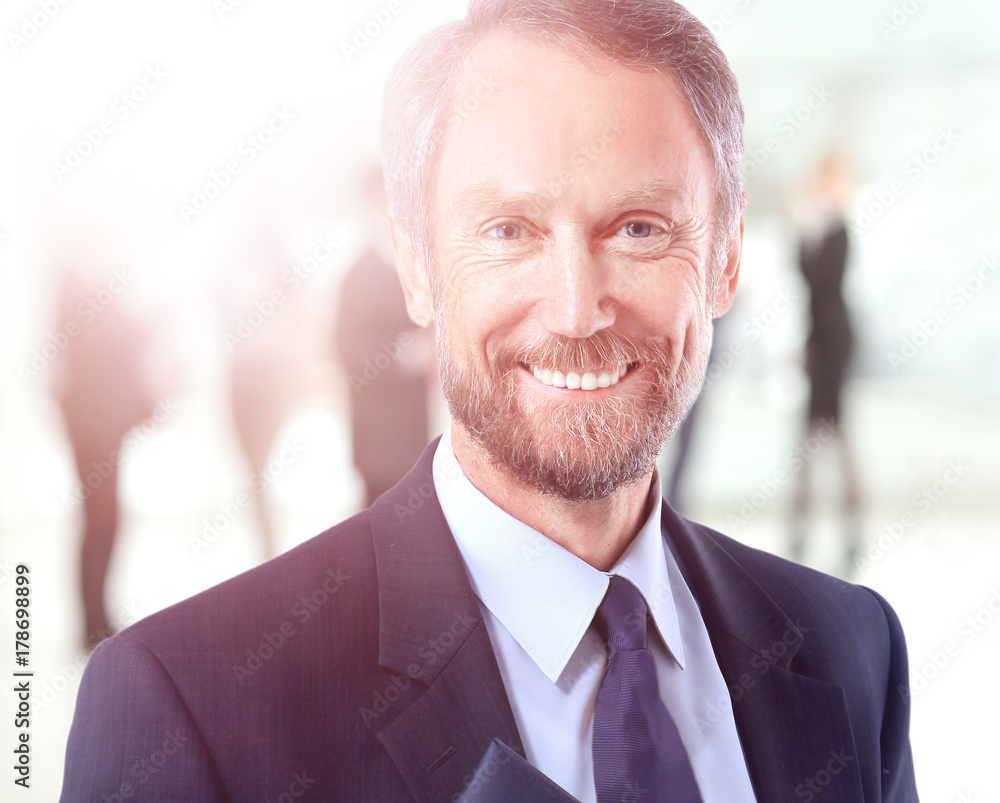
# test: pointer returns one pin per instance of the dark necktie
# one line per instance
(638, 753)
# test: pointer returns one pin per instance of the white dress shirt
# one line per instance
(538, 601)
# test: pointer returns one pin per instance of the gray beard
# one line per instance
(575, 452)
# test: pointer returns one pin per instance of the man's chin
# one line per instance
(573, 462)
(578, 449)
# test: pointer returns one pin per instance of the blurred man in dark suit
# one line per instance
(104, 392)
(386, 361)
(820, 212)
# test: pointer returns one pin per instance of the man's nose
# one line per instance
(577, 293)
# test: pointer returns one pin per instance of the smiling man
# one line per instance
(570, 232)
(573, 324)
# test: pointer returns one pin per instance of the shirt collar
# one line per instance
(543, 594)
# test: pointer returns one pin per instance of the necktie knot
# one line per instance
(621, 617)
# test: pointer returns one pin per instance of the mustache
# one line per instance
(601, 350)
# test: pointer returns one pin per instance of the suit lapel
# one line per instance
(431, 630)
(795, 730)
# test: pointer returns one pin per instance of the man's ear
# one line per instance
(725, 285)
(413, 276)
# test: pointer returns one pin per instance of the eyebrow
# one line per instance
(488, 195)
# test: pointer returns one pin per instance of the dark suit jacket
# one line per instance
(357, 667)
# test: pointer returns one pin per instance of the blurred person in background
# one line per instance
(386, 358)
(104, 389)
(267, 341)
(819, 212)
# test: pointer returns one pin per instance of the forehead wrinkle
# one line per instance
(485, 195)
(652, 192)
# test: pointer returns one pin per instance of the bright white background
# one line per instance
(896, 73)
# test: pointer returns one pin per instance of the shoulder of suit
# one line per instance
(336, 564)
(828, 601)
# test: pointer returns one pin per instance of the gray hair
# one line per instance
(643, 34)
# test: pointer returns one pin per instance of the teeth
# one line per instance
(574, 380)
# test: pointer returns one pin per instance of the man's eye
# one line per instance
(506, 231)
(639, 229)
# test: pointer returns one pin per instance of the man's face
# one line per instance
(571, 285)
